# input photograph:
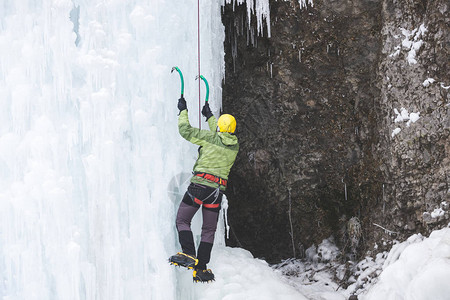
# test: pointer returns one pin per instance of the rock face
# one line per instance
(413, 74)
(316, 107)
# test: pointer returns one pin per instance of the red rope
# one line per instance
(198, 50)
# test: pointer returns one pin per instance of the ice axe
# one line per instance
(206, 84)
(181, 77)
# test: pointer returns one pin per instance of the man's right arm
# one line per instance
(191, 134)
(212, 122)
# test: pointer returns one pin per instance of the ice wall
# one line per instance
(91, 164)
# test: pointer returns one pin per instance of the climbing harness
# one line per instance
(213, 204)
(212, 178)
(200, 202)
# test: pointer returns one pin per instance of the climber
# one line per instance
(217, 153)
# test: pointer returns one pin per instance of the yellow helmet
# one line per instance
(226, 123)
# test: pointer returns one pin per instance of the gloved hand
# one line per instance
(206, 111)
(182, 104)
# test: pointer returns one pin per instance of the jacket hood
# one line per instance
(228, 139)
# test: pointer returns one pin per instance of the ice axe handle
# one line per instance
(207, 86)
(181, 78)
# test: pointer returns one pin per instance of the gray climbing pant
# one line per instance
(209, 199)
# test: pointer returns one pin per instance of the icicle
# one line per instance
(225, 214)
(290, 221)
(303, 3)
(241, 25)
(260, 8)
(248, 37)
(234, 51)
(345, 189)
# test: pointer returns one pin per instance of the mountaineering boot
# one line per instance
(203, 275)
(183, 260)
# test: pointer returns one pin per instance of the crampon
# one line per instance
(203, 275)
(183, 260)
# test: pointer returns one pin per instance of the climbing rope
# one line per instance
(199, 76)
(199, 73)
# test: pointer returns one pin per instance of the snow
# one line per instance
(411, 43)
(403, 116)
(428, 81)
(417, 269)
(242, 277)
(445, 87)
(438, 212)
(413, 117)
(396, 131)
(327, 250)
(314, 275)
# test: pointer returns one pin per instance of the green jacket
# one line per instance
(217, 152)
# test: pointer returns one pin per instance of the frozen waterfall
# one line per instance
(91, 164)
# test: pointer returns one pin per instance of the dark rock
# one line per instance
(315, 108)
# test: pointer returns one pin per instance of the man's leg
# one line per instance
(210, 218)
(184, 217)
